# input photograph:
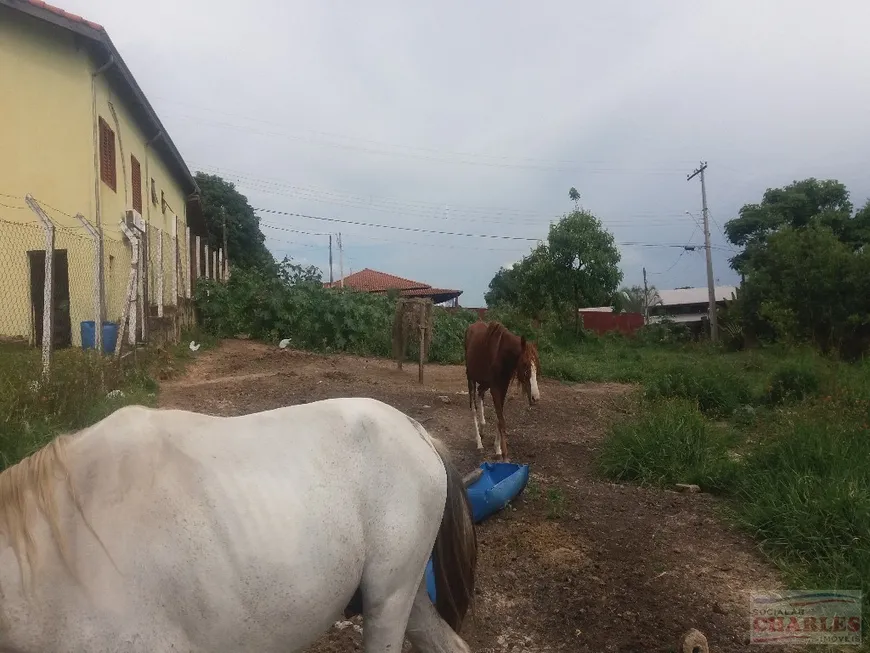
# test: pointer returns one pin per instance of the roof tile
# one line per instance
(65, 14)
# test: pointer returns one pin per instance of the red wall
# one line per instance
(600, 322)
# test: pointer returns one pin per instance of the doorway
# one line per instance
(62, 336)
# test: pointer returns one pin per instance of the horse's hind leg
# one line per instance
(472, 393)
(385, 620)
(480, 394)
(428, 632)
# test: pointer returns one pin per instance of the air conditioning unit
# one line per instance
(134, 220)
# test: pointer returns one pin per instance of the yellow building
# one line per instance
(79, 136)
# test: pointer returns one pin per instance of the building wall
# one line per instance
(47, 146)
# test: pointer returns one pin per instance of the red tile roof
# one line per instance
(368, 280)
(65, 14)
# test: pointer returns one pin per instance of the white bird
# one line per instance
(283, 344)
(194, 346)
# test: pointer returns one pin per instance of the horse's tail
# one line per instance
(454, 556)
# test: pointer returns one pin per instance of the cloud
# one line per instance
(389, 112)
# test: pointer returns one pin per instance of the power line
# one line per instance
(439, 211)
(400, 228)
(444, 233)
(410, 242)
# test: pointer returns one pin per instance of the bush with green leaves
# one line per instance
(272, 308)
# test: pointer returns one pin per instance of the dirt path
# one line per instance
(576, 564)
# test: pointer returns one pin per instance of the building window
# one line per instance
(136, 174)
(108, 170)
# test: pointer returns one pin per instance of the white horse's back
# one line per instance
(247, 533)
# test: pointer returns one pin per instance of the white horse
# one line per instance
(165, 530)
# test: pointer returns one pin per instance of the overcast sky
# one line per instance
(478, 117)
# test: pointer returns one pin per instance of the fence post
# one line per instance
(220, 267)
(189, 292)
(207, 261)
(128, 313)
(214, 266)
(98, 310)
(48, 288)
(175, 260)
(198, 258)
(160, 273)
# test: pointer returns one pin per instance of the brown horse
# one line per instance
(493, 357)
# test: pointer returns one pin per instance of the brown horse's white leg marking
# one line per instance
(472, 391)
(480, 408)
(533, 382)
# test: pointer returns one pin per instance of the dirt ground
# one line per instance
(575, 563)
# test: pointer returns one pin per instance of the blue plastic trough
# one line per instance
(499, 484)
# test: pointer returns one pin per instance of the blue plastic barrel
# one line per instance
(110, 335)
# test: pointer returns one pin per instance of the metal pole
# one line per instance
(48, 285)
(98, 310)
(714, 322)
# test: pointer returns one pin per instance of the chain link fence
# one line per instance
(141, 274)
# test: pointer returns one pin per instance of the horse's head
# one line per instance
(528, 368)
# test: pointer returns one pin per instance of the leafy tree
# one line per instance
(797, 205)
(574, 196)
(585, 262)
(634, 300)
(805, 267)
(246, 244)
(578, 266)
(294, 274)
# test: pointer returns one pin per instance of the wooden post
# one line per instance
(422, 352)
(207, 262)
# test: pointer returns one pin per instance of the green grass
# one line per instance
(669, 441)
(82, 388)
(781, 435)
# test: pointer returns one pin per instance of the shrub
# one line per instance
(793, 381)
(717, 389)
(668, 441)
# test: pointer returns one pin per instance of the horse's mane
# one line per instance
(36, 476)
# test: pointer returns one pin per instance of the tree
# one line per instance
(585, 263)
(805, 266)
(634, 300)
(294, 274)
(577, 267)
(797, 205)
(574, 196)
(246, 244)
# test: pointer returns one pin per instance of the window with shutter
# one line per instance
(108, 170)
(136, 173)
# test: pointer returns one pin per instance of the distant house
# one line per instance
(373, 281)
(80, 136)
(688, 305)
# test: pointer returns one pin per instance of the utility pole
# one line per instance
(645, 299)
(714, 322)
(340, 261)
(330, 259)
